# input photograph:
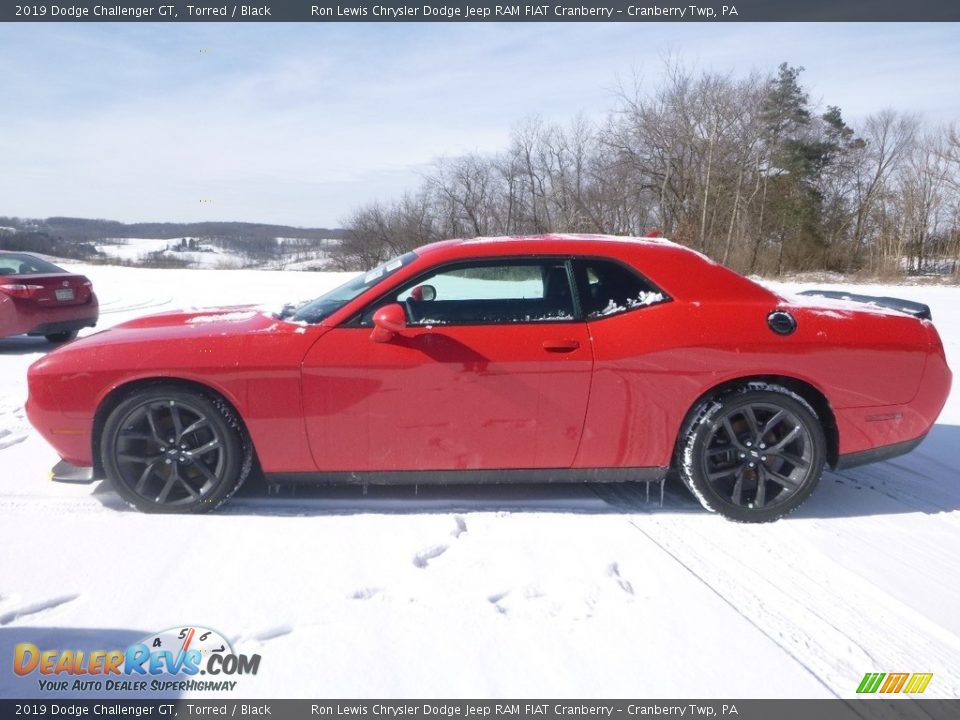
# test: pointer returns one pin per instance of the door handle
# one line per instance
(565, 345)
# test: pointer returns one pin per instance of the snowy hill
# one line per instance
(194, 252)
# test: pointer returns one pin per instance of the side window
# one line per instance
(489, 292)
(608, 288)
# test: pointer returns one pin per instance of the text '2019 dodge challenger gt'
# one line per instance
(554, 358)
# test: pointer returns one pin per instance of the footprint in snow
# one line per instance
(423, 558)
(461, 526)
(365, 593)
(495, 601)
(614, 571)
(36, 608)
(272, 633)
(11, 439)
(261, 636)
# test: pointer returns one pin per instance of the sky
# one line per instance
(299, 124)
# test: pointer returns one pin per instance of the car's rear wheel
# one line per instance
(752, 455)
(171, 450)
(62, 337)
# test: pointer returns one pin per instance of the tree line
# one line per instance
(34, 241)
(744, 169)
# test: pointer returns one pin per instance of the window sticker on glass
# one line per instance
(391, 266)
(373, 275)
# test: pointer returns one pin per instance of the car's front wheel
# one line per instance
(167, 450)
(754, 454)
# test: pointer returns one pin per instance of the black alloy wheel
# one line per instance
(753, 455)
(170, 450)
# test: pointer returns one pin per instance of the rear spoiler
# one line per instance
(918, 310)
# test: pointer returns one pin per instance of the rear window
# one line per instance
(20, 264)
(608, 288)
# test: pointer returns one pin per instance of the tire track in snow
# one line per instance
(832, 622)
(908, 486)
(52, 506)
(119, 305)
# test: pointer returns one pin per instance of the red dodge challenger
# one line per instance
(553, 358)
(39, 298)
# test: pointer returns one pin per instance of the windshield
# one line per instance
(325, 305)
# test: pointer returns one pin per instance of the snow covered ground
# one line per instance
(488, 591)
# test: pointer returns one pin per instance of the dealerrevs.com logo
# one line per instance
(169, 661)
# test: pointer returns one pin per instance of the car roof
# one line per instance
(681, 271)
(517, 242)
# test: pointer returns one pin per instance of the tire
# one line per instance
(753, 454)
(62, 337)
(206, 462)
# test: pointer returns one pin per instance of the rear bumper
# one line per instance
(882, 429)
(31, 319)
(877, 454)
(62, 326)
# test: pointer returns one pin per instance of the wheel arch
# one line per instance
(810, 393)
(120, 393)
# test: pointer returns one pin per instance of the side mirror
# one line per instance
(423, 293)
(388, 321)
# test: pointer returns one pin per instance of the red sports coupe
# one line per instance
(553, 358)
(39, 298)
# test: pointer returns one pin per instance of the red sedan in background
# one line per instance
(547, 359)
(39, 298)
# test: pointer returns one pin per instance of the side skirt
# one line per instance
(884, 452)
(477, 477)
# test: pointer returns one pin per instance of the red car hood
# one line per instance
(215, 335)
(234, 319)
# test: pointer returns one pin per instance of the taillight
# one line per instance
(21, 291)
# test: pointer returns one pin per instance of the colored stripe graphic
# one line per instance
(870, 682)
(894, 683)
(918, 682)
